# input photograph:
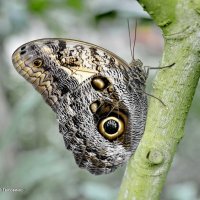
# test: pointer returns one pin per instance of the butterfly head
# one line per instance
(136, 63)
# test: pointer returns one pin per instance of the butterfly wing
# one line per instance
(96, 95)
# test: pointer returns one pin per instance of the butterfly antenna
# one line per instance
(129, 33)
(135, 35)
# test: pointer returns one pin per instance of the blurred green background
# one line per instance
(32, 153)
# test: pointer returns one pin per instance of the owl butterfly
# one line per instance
(98, 98)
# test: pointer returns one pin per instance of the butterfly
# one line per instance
(98, 98)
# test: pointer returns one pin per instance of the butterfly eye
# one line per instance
(100, 83)
(38, 62)
(111, 127)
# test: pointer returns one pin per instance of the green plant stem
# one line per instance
(147, 169)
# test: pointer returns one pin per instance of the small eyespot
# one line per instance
(110, 89)
(100, 83)
(38, 62)
(99, 68)
(23, 48)
(22, 52)
(94, 106)
(111, 127)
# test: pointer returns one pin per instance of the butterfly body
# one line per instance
(98, 98)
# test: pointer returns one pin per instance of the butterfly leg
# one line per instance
(155, 98)
(147, 68)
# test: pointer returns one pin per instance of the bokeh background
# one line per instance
(32, 153)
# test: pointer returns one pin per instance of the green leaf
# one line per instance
(38, 5)
(76, 4)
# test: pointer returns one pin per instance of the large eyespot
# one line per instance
(100, 83)
(38, 62)
(111, 127)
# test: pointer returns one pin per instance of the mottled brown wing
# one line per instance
(96, 95)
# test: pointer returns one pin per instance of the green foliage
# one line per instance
(75, 4)
(39, 5)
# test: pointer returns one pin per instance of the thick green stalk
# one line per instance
(147, 169)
